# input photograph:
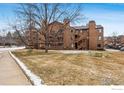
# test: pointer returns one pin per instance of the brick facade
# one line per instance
(64, 36)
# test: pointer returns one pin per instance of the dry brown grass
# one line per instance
(75, 69)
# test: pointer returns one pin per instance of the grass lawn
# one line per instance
(92, 68)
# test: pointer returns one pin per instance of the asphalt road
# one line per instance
(10, 72)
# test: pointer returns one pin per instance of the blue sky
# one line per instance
(111, 16)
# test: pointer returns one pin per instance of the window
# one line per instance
(81, 31)
(98, 45)
(60, 30)
(60, 44)
(49, 45)
(100, 30)
(71, 38)
(33, 37)
(84, 40)
(75, 36)
(60, 39)
(99, 38)
(34, 32)
(72, 45)
(76, 45)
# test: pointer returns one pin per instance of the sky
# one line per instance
(109, 15)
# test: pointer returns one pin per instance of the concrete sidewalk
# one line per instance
(10, 73)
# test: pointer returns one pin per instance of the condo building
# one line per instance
(62, 36)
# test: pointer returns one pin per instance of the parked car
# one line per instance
(119, 47)
(122, 49)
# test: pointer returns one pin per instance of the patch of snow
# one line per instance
(112, 50)
(34, 78)
(11, 48)
(73, 51)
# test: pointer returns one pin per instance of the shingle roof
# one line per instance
(99, 26)
(56, 22)
(86, 27)
(80, 27)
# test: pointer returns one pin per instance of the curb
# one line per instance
(34, 79)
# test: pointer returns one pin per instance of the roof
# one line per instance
(121, 36)
(77, 27)
(86, 27)
(56, 22)
(80, 27)
(99, 26)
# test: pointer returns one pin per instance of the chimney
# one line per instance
(92, 22)
(92, 26)
(92, 35)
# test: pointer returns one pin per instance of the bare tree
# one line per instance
(3, 35)
(115, 39)
(16, 38)
(24, 22)
(39, 16)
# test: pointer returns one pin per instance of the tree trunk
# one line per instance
(46, 50)
(37, 41)
(46, 43)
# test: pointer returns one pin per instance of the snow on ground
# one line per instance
(73, 51)
(10, 48)
(112, 50)
(34, 78)
(83, 51)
